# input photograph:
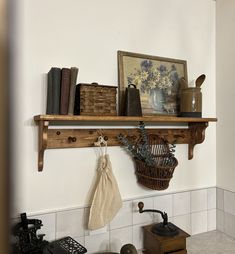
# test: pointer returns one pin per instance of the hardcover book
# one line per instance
(73, 81)
(65, 90)
(53, 91)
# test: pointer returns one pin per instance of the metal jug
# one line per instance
(191, 98)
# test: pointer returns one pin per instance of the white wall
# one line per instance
(225, 53)
(88, 34)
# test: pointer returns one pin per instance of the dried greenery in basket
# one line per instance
(141, 150)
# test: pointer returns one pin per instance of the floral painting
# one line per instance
(156, 78)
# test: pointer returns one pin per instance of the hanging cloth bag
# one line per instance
(107, 199)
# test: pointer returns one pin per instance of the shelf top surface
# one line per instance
(162, 119)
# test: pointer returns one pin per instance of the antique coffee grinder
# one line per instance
(163, 237)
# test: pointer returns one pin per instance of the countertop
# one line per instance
(213, 242)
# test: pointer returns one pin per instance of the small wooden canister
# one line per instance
(191, 102)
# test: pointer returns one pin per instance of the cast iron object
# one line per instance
(132, 105)
(128, 249)
(29, 242)
(164, 228)
(66, 245)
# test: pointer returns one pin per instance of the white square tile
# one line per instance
(98, 231)
(181, 203)
(211, 220)
(140, 218)
(229, 224)
(138, 236)
(123, 217)
(70, 223)
(97, 243)
(229, 202)
(80, 240)
(199, 222)
(86, 220)
(183, 222)
(164, 203)
(220, 220)
(211, 198)
(220, 199)
(48, 228)
(198, 200)
(119, 237)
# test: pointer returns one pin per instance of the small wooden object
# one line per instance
(155, 244)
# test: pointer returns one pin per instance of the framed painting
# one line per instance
(157, 79)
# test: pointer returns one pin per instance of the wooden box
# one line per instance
(93, 99)
(155, 244)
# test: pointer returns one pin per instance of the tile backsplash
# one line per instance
(225, 211)
(193, 211)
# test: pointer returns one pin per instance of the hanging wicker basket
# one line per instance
(156, 177)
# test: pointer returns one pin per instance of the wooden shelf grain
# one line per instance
(162, 119)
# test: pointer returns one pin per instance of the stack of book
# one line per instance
(61, 87)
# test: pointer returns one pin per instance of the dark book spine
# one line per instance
(77, 101)
(56, 83)
(49, 109)
(53, 91)
(74, 73)
(65, 90)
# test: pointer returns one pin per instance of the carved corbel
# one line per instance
(197, 135)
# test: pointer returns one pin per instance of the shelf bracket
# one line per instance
(42, 144)
(197, 136)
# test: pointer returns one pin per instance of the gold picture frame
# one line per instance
(157, 79)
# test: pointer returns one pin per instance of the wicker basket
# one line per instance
(156, 177)
(93, 99)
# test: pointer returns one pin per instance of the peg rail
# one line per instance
(192, 133)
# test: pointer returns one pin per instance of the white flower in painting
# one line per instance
(165, 82)
(157, 77)
(152, 84)
(137, 80)
(144, 75)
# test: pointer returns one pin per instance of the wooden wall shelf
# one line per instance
(192, 133)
